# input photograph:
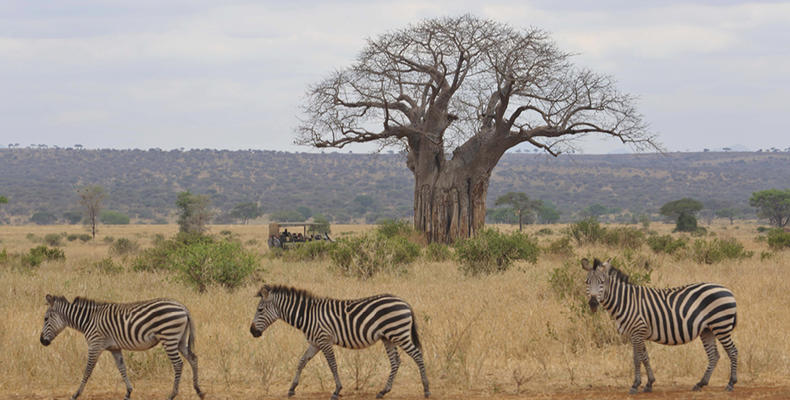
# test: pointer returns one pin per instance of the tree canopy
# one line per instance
(91, 198)
(246, 211)
(683, 211)
(773, 204)
(193, 212)
(455, 94)
(522, 205)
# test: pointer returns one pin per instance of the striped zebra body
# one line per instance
(353, 324)
(130, 326)
(667, 316)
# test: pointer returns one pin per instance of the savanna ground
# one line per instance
(509, 335)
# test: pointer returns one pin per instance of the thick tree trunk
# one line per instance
(449, 195)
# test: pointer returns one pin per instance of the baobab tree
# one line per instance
(455, 94)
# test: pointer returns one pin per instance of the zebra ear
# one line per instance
(263, 293)
(50, 299)
(596, 263)
(585, 264)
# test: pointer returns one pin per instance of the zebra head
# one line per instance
(597, 276)
(54, 321)
(266, 314)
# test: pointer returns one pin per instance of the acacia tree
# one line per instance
(91, 198)
(455, 94)
(246, 211)
(683, 211)
(521, 204)
(773, 204)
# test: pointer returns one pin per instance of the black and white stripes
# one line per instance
(131, 326)
(667, 316)
(353, 324)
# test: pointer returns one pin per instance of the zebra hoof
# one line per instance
(291, 393)
(427, 394)
(380, 394)
(729, 388)
(647, 389)
(634, 390)
(697, 387)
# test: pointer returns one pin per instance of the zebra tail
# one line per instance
(414, 336)
(191, 334)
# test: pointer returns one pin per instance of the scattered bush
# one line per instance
(437, 252)
(308, 251)
(107, 266)
(113, 218)
(627, 237)
(545, 231)
(763, 229)
(778, 239)
(33, 238)
(491, 251)
(717, 250)
(666, 243)
(108, 239)
(365, 256)
(560, 247)
(37, 255)
(586, 231)
(124, 247)
(203, 263)
(157, 258)
(52, 239)
(390, 228)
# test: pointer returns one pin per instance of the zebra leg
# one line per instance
(392, 354)
(306, 357)
(639, 349)
(122, 368)
(709, 342)
(93, 356)
(192, 358)
(732, 352)
(326, 348)
(171, 348)
(416, 354)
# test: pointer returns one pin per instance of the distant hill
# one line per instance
(144, 184)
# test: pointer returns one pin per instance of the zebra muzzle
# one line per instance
(255, 331)
(593, 304)
(45, 342)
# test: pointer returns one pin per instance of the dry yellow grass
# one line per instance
(490, 335)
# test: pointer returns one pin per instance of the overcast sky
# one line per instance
(195, 74)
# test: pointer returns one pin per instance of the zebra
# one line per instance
(130, 326)
(353, 324)
(667, 316)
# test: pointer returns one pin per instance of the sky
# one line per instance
(232, 74)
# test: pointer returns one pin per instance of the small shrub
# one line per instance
(666, 243)
(763, 229)
(545, 231)
(390, 228)
(365, 256)
(560, 247)
(251, 242)
(84, 237)
(308, 251)
(766, 255)
(124, 247)
(778, 239)
(437, 252)
(72, 237)
(627, 237)
(717, 250)
(33, 238)
(158, 239)
(4, 256)
(224, 262)
(586, 231)
(37, 255)
(491, 251)
(52, 239)
(107, 266)
(108, 239)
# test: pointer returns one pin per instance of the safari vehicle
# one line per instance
(280, 237)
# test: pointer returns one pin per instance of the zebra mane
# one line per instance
(82, 301)
(289, 291)
(617, 274)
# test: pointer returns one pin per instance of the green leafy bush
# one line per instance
(560, 247)
(491, 251)
(157, 258)
(124, 247)
(365, 256)
(778, 239)
(586, 231)
(37, 255)
(390, 228)
(308, 251)
(52, 239)
(107, 266)
(437, 252)
(223, 262)
(626, 237)
(666, 243)
(717, 250)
